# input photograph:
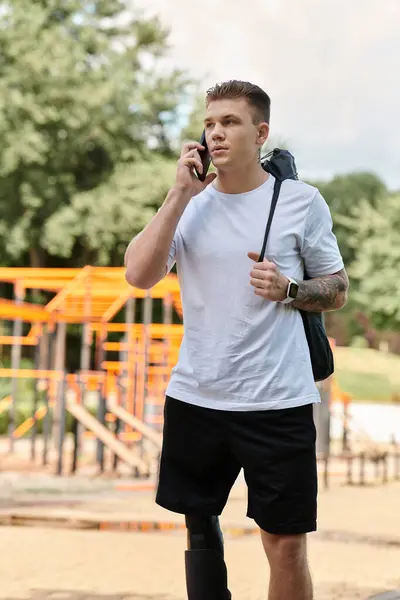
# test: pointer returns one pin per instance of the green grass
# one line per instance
(368, 375)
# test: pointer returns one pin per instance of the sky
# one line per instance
(331, 68)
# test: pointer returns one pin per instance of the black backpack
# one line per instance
(281, 164)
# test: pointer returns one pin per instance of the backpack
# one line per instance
(281, 164)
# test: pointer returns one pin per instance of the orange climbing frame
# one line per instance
(93, 296)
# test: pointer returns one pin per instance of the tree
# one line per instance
(343, 194)
(195, 124)
(84, 107)
(106, 218)
(375, 240)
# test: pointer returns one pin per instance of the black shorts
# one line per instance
(205, 449)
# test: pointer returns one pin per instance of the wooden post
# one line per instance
(36, 397)
(62, 405)
(101, 416)
(142, 406)
(86, 347)
(147, 320)
(349, 469)
(75, 425)
(119, 392)
(129, 372)
(378, 461)
(362, 468)
(385, 477)
(47, 418)
(345, 439)
(59, 366)
(19, 294)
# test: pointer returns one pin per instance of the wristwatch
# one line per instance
(291, 292)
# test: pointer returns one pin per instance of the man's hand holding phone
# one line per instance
(194, 158)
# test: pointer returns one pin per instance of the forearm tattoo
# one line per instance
(323, 293)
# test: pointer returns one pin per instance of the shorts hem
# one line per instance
(180, 508)
(295, 529)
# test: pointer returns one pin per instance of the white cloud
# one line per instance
(331, 67)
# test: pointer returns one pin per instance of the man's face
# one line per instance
(232, 136)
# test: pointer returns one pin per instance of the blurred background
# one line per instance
(96, 98)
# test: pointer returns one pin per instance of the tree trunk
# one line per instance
(37, 258)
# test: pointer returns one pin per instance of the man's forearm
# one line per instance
(323, 293)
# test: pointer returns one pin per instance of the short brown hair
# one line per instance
(255, 96)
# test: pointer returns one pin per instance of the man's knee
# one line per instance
(204, 533)
(285, 550)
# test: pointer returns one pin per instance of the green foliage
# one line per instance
(106, 218)
(376, 243)
(24, 412)
(25, 387)
(195, 124)
(83, 107)
(344, 193)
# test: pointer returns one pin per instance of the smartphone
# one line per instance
(205, 158)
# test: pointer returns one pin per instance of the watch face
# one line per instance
(293, 290)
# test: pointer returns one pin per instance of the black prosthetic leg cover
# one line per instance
(206, 576)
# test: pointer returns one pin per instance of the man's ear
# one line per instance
(263, 133)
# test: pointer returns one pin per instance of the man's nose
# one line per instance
(218, 133)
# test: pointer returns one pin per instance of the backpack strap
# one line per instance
(275, 196)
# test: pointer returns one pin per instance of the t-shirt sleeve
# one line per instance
(173, 251)
(320, 250)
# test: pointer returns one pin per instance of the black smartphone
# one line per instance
(205, 158)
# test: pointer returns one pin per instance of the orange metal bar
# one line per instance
(5, 403)
(156, 348)
(25, 311)
(53, 285)
(155, 419)
(157, 330)
(133, 436)
(71, 285)
(121, 366)
(105, 292)
(35, 331)
(37, 276)
(88, 376)
(116, 305)
(30, 374)
(9, 340)
(29, 423)
(13, 273)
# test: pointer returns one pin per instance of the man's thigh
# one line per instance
(277, 451)
(197, 469)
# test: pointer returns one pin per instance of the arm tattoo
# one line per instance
(323, 293)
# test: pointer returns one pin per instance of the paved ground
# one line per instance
(355, 555)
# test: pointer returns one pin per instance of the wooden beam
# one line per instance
(89, 422)
(135, 423)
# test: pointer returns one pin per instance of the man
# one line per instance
(242, 392)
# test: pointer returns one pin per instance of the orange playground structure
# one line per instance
(129, 342)
(108, 411)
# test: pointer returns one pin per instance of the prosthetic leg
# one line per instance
(206, 575)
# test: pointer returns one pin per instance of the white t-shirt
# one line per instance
(240, 351)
